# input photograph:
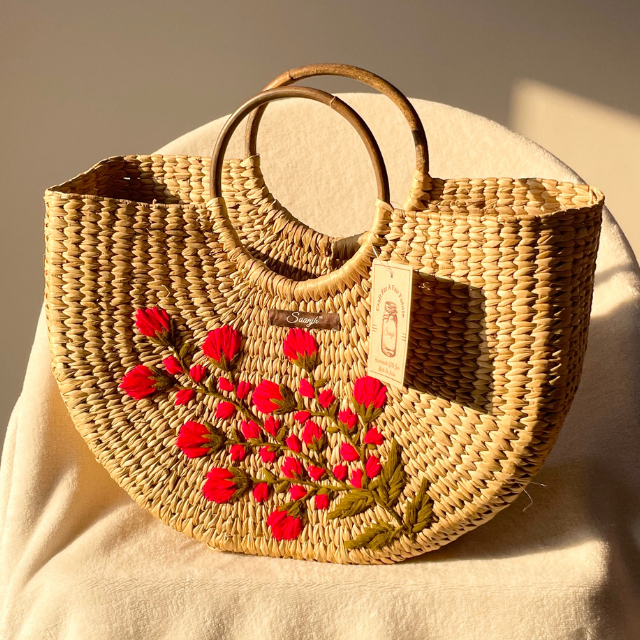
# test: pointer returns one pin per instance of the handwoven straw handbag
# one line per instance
(257, 438)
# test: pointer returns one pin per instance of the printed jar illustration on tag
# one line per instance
(390, 317)
(389, 337)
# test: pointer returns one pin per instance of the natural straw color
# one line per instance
(504, 279)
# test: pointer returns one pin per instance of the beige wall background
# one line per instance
(80, 81)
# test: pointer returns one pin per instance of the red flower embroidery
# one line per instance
(225, 410)
(172, 366)
(139, 382)
(312, 434)
(326, 398)
(283, 526)
(153, 322)
(193, 439)
(184, 396)
(340, 471)
(301, 416)
(237, 452)
(224, 384)
(291, 467)
(267, 455)
(306, 389)
(369, 392)
(348, 452)
(243, 389)
(222, 345)
(348, 418)
(373, 436)
(316, 473)
(293, 442)
(220, 485)
(271, 426)
(250, 429)
(261, 491)
(267, 397)
(197, 373)
(297, 492)
(373, 467)
(301, 348)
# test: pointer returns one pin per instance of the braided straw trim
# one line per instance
(503, 293)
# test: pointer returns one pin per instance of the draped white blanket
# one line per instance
(80, 559)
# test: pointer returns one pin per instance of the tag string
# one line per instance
(383, 261)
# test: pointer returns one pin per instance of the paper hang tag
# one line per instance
(392, 287)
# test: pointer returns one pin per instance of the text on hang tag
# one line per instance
(391, 291)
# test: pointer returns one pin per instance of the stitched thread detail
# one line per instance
(305, 476)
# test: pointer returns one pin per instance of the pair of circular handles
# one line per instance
(279, 90)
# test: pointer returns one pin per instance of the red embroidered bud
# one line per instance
(340, 471)
(268, 456)
(301, 416)
(250, 429)
(312, 434)
(348, 418)
(153, 322)
(369, 392)
(348, 452)
(283, 526)
(193, 439)
(316, 473)
(172, 366)
(301, 348)
(373, 436)
(291, 468)
(237, 452)
(293, 442)
(356, 478)
(243, 389)
(322, 501)
(225, 410)
(267, 397)
(326, 398)
(306, 389)
(224, 384)
(271, 426)
(222, 345)
(139, 383)
(184, 396)
(373, 467)
(220, 485)
(261, 491)
(297, 492)
(197, 373)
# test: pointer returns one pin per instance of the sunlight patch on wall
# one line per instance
(599, 143)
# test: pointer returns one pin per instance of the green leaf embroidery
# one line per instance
(352, 504)
(391, 482)
(377, 537)
(419, 510)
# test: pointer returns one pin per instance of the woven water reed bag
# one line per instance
(168, 309)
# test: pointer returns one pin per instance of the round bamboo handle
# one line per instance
(355, 73)
(382, 180)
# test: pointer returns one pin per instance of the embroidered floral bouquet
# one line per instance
(296, 474)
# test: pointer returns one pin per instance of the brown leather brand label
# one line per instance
(304, 320)
(391, 289)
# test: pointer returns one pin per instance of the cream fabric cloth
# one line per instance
(80, 559)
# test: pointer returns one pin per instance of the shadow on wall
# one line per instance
(600, 143)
